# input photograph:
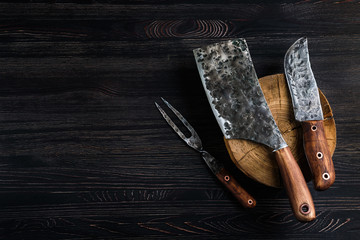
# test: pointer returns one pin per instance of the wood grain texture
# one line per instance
(84, 153)
(294, 183)
(318, 154)
(245, 199)
(256, 160)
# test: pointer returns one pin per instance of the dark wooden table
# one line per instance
(85, 153)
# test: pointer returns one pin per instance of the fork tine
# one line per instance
(182, 119)
(171, 123)
(194, 140)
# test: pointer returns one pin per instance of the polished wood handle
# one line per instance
(295, 185)
(234, 187)
(318, 154)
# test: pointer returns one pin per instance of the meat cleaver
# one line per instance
(237, 101)
(307, 110)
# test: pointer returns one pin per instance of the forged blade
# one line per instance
(234, 93)
(301, 81)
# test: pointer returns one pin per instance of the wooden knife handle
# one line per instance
(234, 187)
(318, 154)
(295, 185)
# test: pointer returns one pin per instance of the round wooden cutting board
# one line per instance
(258, 161)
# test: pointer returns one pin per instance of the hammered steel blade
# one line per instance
(301, 82)
(235, 95)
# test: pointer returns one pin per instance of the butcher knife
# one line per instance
(237, 101)
(307, 110)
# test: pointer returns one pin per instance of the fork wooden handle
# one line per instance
(234, 187)
(295, 185)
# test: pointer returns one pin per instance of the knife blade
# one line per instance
(307, 109)
(237, 101)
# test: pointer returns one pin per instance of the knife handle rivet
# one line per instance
(304, 208)
(326, 176)
(313, 128)
(319, 155)
(227, 178)
(250, 202)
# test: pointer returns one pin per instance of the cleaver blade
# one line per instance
(235, 95)
(237, 101)
(307, 110)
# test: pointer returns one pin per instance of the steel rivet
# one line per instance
(319, 155)
(250, 201)
(304, 208)
(226, 178)
(313, 128)
(326, 176)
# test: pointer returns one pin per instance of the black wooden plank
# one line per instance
(85, 154)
